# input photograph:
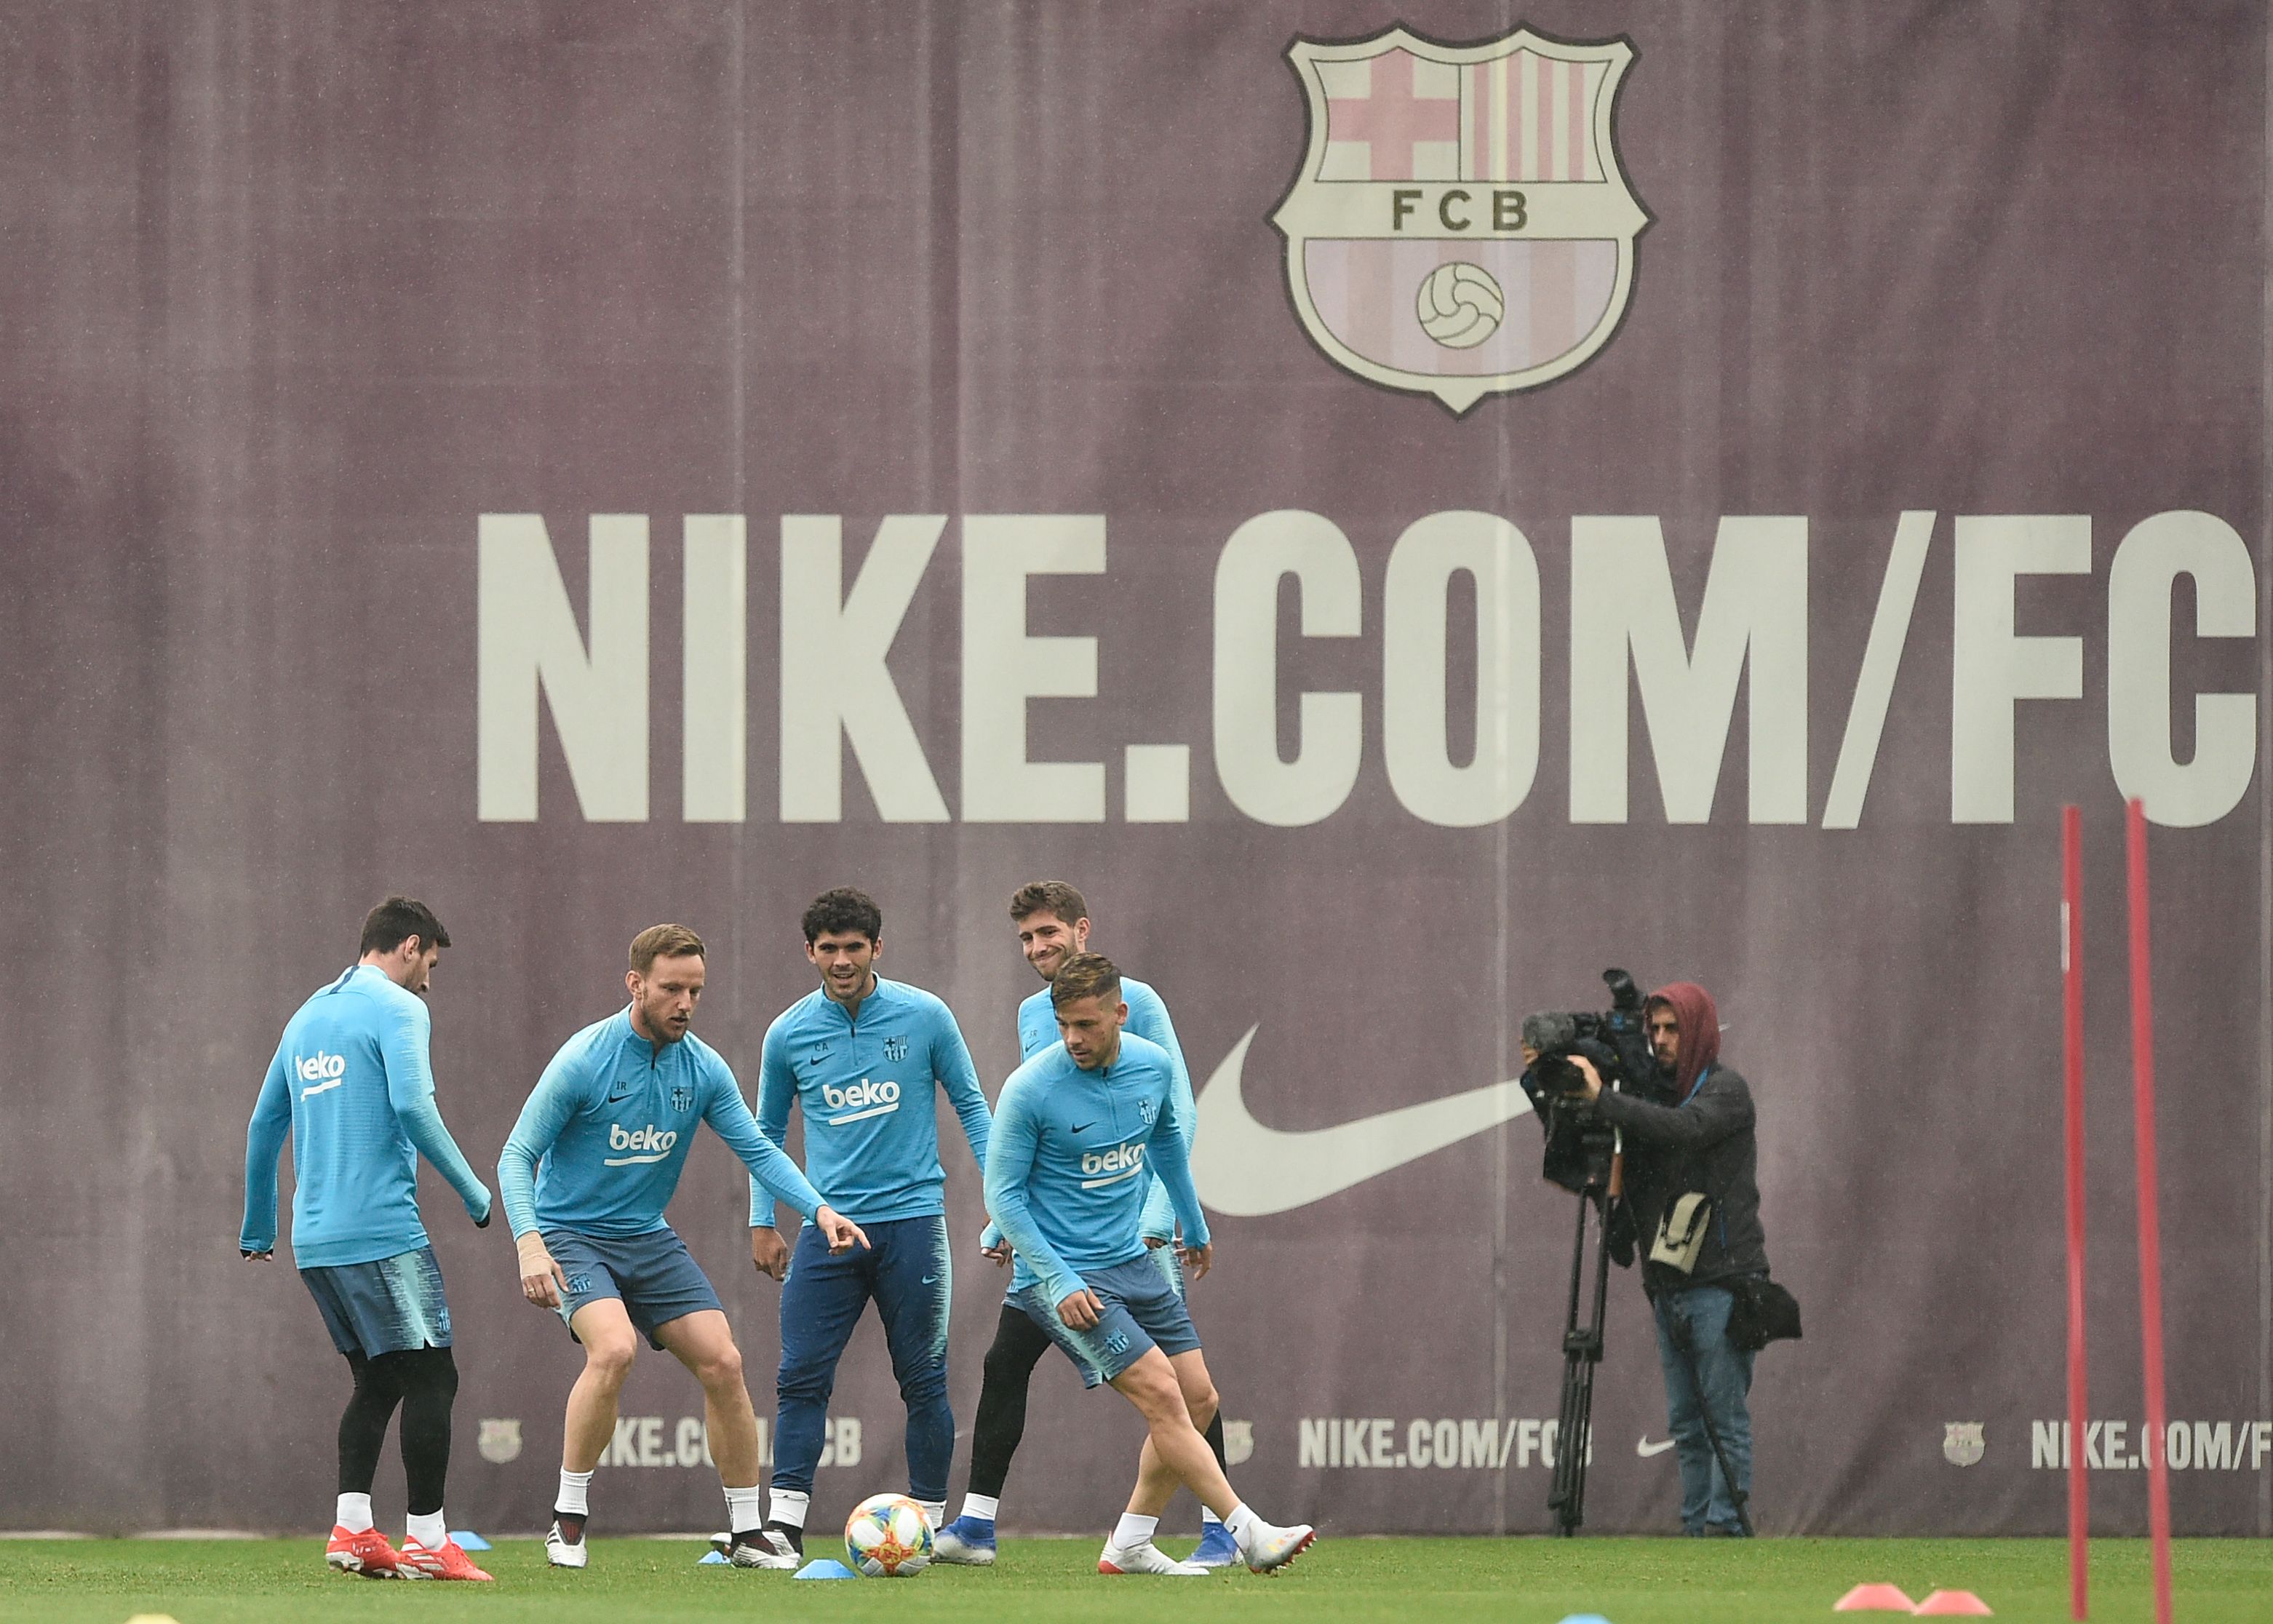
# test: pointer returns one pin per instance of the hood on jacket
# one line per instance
(1701, 1031)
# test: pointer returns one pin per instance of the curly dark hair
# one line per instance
(844, 911)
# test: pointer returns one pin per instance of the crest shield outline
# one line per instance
(500, 1440)
(1461, 224)
(1963, 1442)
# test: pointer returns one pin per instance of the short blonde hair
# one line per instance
(1085, 975)
(664, 942)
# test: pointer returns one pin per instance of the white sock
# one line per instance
(981, 1508)
(1134, 1530)
(1243, 1523)
(571, 1499)
(433, 1531)
(935, 1512)
(1208, 1519)
(354, 1513)
(743, 1512)
(789, 1507)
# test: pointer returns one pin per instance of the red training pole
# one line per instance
(2151, 1237)
(2079, 1483)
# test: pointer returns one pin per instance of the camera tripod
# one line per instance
(1582, 1351)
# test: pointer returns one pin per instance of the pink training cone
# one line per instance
(1874, 1598)
(1954, 1601)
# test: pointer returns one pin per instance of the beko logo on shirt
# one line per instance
(1110, 1167)
(861, 1099)
(648, 1144)
(322, 1070)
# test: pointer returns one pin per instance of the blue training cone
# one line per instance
(1585, 1618)
(469, 1540)
(826, 1568)
(713, 1558)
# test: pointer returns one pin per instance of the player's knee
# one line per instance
(1003, 1367)
(609, 1355)
(1200, 1399)
(721, 1368)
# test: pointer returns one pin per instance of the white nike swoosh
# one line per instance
(1245, 1170)
(1645, 1449)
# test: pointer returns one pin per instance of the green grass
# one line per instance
(1507, 1581)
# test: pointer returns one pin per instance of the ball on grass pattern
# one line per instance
(1460, 305)
(887, 1538)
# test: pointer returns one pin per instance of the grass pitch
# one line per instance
(1507, 1581)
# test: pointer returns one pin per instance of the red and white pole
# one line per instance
(2151, 1237)
(2079, 1486)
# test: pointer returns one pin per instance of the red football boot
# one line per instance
(367, 1553)
(448, 1561)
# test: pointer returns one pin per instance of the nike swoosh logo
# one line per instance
(1645, 1449)
(1245, 1170)
(1079, 1126)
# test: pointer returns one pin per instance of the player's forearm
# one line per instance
(516, 1171)
(264, 1142)
(1014, 1218)
(423, 1121)
(1172, 1165)
(1158, 1219)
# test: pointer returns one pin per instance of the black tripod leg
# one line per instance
(1582, 1350)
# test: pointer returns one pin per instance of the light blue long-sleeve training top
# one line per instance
(1148, 1019)
(353, 1083)
(601, 1143)
(863, 1082)
(1066, 1169)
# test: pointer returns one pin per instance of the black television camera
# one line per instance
(1579, 1145)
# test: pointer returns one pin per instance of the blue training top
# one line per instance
(602, 1142)
(864, 1085)
(352, 1082)
(1148, 1019)
(1065, 1171)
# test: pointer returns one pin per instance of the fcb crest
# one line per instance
(682, 1097)
(1961, 1442)
(500, 1441)
(896, 1048)
(1460, 225)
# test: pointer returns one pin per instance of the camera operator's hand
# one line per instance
(1586, 1068)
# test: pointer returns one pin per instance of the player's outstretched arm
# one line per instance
(410, 1090)
(773, 1175)
(951, 1068)
(1011, 1150)
(264, 1142)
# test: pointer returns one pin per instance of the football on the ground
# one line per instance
(887, 1538)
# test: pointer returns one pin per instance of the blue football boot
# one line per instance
(966, 1540)
(1217, 1548)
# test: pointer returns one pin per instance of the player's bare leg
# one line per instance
(604, 1330)
(1163, 1393)
(704, 1343)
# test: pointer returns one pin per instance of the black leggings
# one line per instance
(1019, 1344)
(424, 1381)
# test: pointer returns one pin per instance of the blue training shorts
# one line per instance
(652, 1275)
(1142, 1310)
(394, 1305)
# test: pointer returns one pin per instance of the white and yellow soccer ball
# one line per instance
(1460, 305)
(887, 1537)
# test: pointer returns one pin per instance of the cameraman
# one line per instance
(1702, 1145)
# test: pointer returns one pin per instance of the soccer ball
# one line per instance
(1460, 305)
(887, 1537)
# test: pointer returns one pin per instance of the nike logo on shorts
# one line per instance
(1645, 1449)
(1245, 1170)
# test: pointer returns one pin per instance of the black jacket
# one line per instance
(1705, 1144)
